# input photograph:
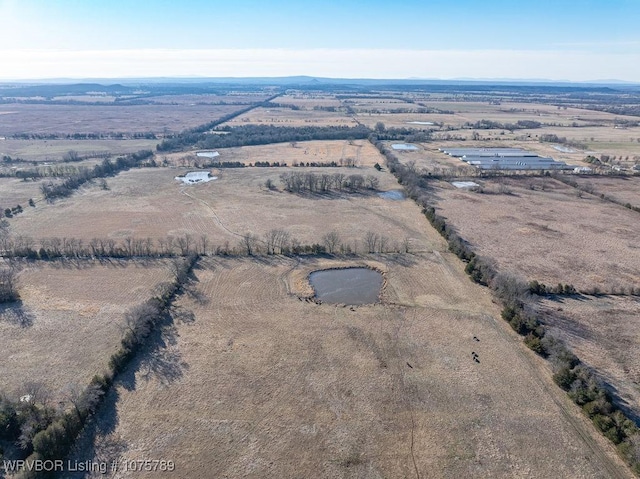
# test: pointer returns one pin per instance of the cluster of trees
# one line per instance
(580, 382)
(51, 190)
(8, 285)
(496, 125)
(302, 182)
(541, 289)
(551, 138)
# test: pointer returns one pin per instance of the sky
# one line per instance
(430, 39)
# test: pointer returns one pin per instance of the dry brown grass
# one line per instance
(289, 117)
(150, 203)
(605, 334)
(62, 119)
(69, 320)
(551, 236)
(54, 150)
(17, 192)
(621, 189)
(272, 386)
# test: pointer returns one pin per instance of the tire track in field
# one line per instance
(541, 377)
(213, 212)
(277, 400)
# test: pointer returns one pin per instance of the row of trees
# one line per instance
(275, 241)
(193, 136)
(51, 190)
(310, 182)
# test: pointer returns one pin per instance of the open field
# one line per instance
(150, 203)
(359, 152)
(17, 192)
(69, 119)
(605, 333)
(542, 230)
(53, 150)
(621, 189)
(266, 385)
(289, 117)
(69, 320)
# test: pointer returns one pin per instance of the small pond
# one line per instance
(395, 195)
(347, 286)
(404, 146)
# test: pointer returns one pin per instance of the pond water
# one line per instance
(395, 195)
(347, 286)
(404, 146)
(196, 177)
(208, 154)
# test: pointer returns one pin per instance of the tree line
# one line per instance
(51, 190)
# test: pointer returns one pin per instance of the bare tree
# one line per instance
(331, 240)
(371, 241)
(249, 243)
(8, 285)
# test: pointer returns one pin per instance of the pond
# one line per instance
(404, 146)
(395, 195)
(347, 286)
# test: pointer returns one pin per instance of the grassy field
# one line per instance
(605, 333)
(69, 320)
(54, 150)
(69, 119)
(265, 384)
(254, 378)
(151, 203)
(542, 230)
(290, 117)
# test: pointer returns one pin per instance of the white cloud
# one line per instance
(576, 65)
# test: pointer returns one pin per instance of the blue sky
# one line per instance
(560, 40)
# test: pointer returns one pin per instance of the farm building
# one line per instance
(505, 159)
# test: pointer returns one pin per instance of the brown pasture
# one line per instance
(69, 119)
(151, 203)
(288, 117)
(69, 320)
(265, 384)
(542, 230)
(54, 150)
(605, 334)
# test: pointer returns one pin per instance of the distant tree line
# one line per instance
(247, 135)
(106, 135)
(495, 125)
(193, 136)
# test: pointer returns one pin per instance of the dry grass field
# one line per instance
(69, 320)
(17, 192)
(359, 152)
(546, 233)
(54, 150)
(289, 117)
(265, 384)
(621, 189)
(605, 333)
(151, 203)
(69, 119)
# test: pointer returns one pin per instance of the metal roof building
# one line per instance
(505, 159)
